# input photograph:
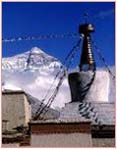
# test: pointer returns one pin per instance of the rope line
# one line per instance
(39, 37)
(69, 57)
(103, 60)
(85, 108)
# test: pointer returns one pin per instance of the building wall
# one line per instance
(103, 142)
(10, 145)
(27, 108)
(14, 110)
(61, 140)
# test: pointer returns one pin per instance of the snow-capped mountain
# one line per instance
(35, 59)
(34, 72)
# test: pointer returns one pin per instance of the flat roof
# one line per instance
(59, 126)
(13, 92)
(60, 121)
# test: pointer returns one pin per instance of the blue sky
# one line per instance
(41, 18)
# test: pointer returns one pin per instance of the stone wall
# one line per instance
(103, 142)
(61, 140)
(14, 111)
(60, 133)
(10, 145)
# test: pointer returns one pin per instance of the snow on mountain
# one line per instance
(33, 60)
(34, 72)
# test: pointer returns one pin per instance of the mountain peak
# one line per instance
(36, 50)
(34, 60)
